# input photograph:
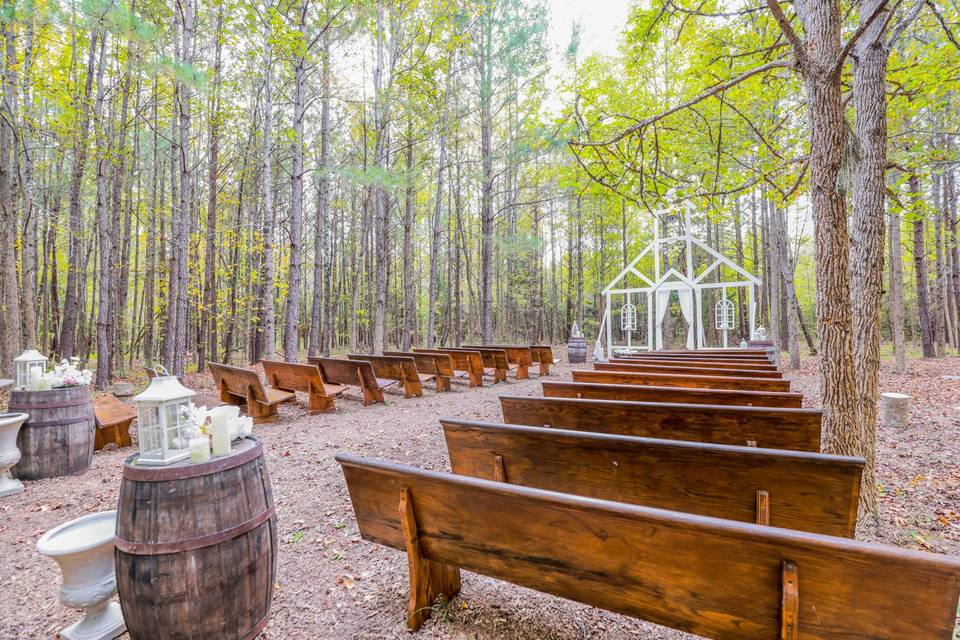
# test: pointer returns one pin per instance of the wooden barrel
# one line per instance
(197, 546)
(57, 439)
(577, 350)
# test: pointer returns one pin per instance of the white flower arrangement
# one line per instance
(66, 374)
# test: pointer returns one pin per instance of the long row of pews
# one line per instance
(324, 379)
(683, 488)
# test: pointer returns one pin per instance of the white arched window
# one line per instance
(628, 317)
(724, 312)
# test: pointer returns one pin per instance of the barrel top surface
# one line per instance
(244, 450)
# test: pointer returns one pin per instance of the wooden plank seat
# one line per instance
(469, 363)
(686, 362)
(431, 366)
(770, 428)
(113, 418)
(687, 370)
(495, 362)
(759, 358)
(518, 356)
(401, 369)
(680, 380)
(543, 354)
(716, 578)
(243, 387)
(687, 395)
(306, 378)
(791, 489)
(353, 373)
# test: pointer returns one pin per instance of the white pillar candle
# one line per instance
(220, 429)
(199, 449)
(35, 375)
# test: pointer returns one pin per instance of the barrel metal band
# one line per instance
(59, 423)
(253, 633)
(191, 544)
(57, 405)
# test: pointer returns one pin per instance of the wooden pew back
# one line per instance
(794, 490)
(469, 361)
(439, 364)
(792, 429)
(716, 578)
(518, 355)
(237, 381)
(680, 380)
(492, 358)
(683, 370)
(293, 376)
(542, 353)
(687, 362)
(683, 395)
(403, 369)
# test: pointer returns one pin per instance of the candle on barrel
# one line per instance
(220, 428)
(199, 449)
(36, 376)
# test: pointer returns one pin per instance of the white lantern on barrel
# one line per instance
(30, 365)
(164, 424)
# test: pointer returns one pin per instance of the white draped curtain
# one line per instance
(663, 299)
(686, 307)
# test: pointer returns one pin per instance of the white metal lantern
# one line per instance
(163, 420)
(27, 363)
(724, 312)
(628, 317)
(760, 335)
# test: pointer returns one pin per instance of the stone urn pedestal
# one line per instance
(84, 549)
(9, 453)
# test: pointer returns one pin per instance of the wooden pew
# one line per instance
(686, 362)
(759, 358)
(431, 366)
(688, 395)
(678, 380)
(543, 354)
(402, 369)
(355, 373)
(792, 429)
(686, 371)
(113, 418)
(795, 490)
(306, 378)
(519, 355)
(759, 363)
(716, 578)
(243, 387)
(465, 362)
(495, 362)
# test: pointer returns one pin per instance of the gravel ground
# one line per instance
(331, 584)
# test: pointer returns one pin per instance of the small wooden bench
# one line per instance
(715, 578)
(792, 429)
(543, 354)
(687, 395)
(469, 363)
(243, 387)
(495, 362)
(678, 380)
(113, 418)
(795, 490)
(355, 373)
(686, 362)
(431, 366)
(518, 355)
(686, 370)
(402, 369)
(305, 378)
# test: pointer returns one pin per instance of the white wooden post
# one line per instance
(609, 329)
(650, 297)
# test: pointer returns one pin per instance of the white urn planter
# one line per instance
(10, 424)
(84, 550)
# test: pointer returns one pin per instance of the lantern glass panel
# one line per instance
(151, 443)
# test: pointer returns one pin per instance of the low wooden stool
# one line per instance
(113, 418)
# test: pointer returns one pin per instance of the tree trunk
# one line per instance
(896, 295)
(323, 202)
(409, 218)
(920, 266)
(267, 338)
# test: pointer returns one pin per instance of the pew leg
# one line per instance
(259, 411)
(319, 403)
(476, 379)
(371, 396)
(544, 369)
(413, 388)
(500, 375)
(443, 383)
(522, 372)
(428, 579)
(763, 507)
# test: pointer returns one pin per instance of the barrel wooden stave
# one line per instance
(58, 438)
(219, 587)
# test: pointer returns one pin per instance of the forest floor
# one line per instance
(331, 584)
